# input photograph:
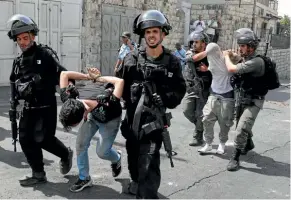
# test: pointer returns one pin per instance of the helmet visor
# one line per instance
(152, 15)
(198, 36)
(18, 17)
(244, 33)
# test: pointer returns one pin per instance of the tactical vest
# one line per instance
(254, 86)
(28, 81)
(26, 78)
(146, 120)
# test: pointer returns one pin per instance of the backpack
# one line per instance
(50, 50)
(271, 76)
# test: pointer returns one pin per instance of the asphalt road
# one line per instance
(265, 172)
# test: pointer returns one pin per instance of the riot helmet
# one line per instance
(150, 19)
(21, 24)
(198, 36)
(247, 36)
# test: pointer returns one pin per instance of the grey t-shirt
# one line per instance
(252, 64)
(220, 75)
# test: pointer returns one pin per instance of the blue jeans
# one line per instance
(104, 150)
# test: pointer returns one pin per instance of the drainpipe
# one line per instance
(254, 15)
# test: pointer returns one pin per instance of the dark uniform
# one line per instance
(196, 98)
(252, 72)
(143, 150)
(34, 77)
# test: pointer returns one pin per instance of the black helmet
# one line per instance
(149, 19)
(21, 24)
(198, 36)
(247, 36)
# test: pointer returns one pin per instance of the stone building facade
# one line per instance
(93, 50)
(100, 50)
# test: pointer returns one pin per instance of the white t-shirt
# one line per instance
(220, 75)
(198, 26)
(212, 24)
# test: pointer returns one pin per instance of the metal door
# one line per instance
(71, 23)
(44, 22)
(115, 20)
(55, 27)
(7, 52)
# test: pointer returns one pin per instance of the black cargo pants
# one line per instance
(37, 129)
(144, 162)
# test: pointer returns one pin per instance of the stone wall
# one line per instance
(232, 17)
(91, 32)
(282, 58)
(207, 11)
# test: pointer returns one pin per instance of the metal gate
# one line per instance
(115, 20)
(60, 23)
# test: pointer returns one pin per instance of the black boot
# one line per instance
(197, 139)
(36, 178)
(233, 164)
(249, 146)
(131, 188)
(66, 164)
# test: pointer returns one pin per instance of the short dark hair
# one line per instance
(71, 113)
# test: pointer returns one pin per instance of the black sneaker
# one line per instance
(81, 184)
(66, 165)
(116, 167)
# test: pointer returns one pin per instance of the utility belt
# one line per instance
(28, 106)
(255, 97)
(248, 100)
(227, 95)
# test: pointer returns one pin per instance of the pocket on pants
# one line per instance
(227, 111)
(39, 130)
(259, 103)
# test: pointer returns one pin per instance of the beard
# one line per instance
(26, 47)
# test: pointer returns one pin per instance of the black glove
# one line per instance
(70, 92)
(104, 98)
(157, 100)
(235, 80)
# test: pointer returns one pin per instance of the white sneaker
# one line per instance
(206, 148)
(220, 149)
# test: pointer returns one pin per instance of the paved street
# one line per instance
(265, 172)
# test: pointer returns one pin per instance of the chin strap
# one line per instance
(155, 46)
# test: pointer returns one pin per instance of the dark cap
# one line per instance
(126, 34)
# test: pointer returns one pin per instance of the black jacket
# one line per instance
(41, 61)
(171, 87)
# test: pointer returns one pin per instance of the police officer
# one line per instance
(34, 75)
(165, 74)
(220, 103)
(252, 73)
(198, 84)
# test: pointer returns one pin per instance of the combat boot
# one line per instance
(36, 178)
(131, 188)
(233, 164)
(197, 138)
(249, 146)
(66, 164)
